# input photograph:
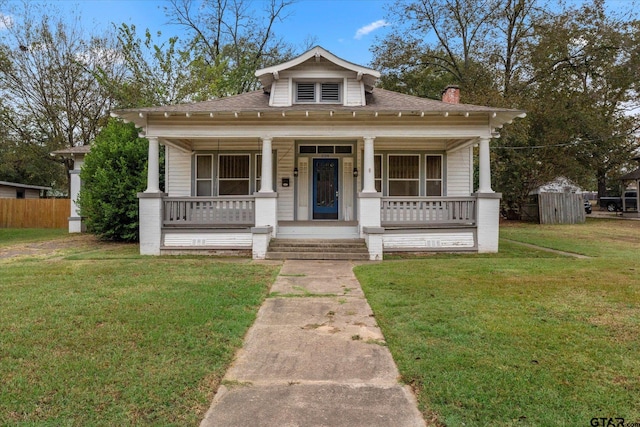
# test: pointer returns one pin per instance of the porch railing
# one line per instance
(422, 211)
(208, 211)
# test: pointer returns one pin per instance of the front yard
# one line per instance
(522, 337)
(94, 334)
(103, 336)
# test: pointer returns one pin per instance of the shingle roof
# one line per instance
(631, 176)
(378, 100)
(81, 149)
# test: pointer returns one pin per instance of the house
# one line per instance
(12, 190)
(630, 180)
(320, 153)
(76, 155)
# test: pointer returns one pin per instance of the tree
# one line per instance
(230, 41)
(113, 173)
(52, 99)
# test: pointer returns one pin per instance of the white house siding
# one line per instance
(178, 172)
(280, 93)
(426, 239)
(459, 172)
(285, 153)
(354, 92)
(203, 239)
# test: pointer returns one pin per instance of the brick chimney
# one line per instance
(451, 94)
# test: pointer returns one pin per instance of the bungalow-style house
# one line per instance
(13, 190)
(319, 153)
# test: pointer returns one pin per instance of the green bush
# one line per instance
(113, 173)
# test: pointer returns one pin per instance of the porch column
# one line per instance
(368, 179)
(266, 183)
(487, 204)
(151, 206)
(266, 205)
(153, 168)
(485, 166)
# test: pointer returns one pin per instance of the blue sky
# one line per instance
(347, 28)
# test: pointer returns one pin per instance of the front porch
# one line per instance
(222, 224)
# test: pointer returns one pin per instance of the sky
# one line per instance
(347, 28)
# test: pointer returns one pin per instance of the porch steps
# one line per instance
(336, 249)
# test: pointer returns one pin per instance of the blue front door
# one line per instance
(325, 189)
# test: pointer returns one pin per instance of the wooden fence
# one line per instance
(555, 208)
(34, 213)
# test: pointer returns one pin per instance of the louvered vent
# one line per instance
(330, 92)
(306, 92)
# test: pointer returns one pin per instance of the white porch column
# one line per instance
(75, 220)
(368, 178)
(369, 205)
(153, 168)
(266, 183)
(487, 203)
(151, 206)
(485, 166)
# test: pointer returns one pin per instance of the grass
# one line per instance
(11, 236)
(522, 337)
(104, 336)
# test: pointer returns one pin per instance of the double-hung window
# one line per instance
(204, 175)
(403, 175)
(434, 175)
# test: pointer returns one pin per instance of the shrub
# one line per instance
(114, 171)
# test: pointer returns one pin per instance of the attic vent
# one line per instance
(330, 92)
(306, 92)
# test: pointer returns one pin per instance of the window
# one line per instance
(434, 175)
(258, 172)
(307, 92)
(204, 175)
(233, 175)
(404, 175)
(377, 167)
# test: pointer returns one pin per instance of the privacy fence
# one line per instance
(34, 213)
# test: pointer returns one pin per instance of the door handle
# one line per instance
(336, 194)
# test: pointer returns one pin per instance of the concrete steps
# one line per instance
(335, 249)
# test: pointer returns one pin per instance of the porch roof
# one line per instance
(379, 101)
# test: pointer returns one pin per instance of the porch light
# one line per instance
(355, 172)
(295, 172)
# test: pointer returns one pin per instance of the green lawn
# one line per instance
(107, 337)
(11, 236)
(522, 337)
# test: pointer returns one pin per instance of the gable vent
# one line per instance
(306, 92)
(330, 92)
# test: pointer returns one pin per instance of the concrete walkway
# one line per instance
(314, 358)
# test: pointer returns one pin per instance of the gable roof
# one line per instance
(269, 74)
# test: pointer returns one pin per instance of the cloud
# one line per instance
(6, 22)
(363, 31)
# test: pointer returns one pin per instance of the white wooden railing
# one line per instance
(208, 211)
(426, 211)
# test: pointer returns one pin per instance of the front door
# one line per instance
(325, 189)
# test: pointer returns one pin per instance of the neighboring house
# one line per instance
(12, 190)
(76, 154)
(633, 178)
(320, 153)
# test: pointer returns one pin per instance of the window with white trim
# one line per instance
(233, 174)
(433, 175)
(314, 92)
(258, 172)
(204, 175)
(377, 175)
(403, 175)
